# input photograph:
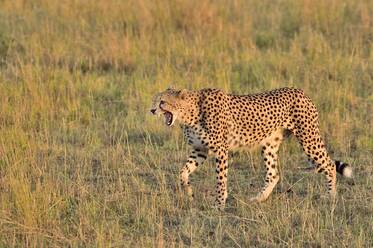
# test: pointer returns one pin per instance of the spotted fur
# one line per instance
(215, 122)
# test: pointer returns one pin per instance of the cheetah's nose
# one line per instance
(153, 111)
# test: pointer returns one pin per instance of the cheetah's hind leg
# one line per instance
(269, 151)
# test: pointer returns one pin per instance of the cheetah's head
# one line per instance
(175, 105)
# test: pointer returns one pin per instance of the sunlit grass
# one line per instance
(82, 163)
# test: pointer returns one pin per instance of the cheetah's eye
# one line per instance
(161, 103)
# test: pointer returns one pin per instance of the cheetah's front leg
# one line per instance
(196, 158)
(221, 178)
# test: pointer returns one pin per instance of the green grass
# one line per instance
(83, 164)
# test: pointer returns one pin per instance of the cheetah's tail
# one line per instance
(344, 169)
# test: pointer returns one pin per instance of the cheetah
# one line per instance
(214, 123)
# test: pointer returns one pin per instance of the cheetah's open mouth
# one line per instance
(168, 118)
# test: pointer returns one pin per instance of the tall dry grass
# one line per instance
(83, 164)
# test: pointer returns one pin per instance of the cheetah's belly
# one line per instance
(236, 141)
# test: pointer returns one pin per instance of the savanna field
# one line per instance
(84, 164)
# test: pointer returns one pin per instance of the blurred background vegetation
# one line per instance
(83, 164)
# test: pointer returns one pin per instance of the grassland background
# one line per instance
(83, 164)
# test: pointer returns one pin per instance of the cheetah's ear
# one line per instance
(182, 94)
(170, 87)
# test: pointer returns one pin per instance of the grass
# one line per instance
(83, 164)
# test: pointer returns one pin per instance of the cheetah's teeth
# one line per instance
(168, 118)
